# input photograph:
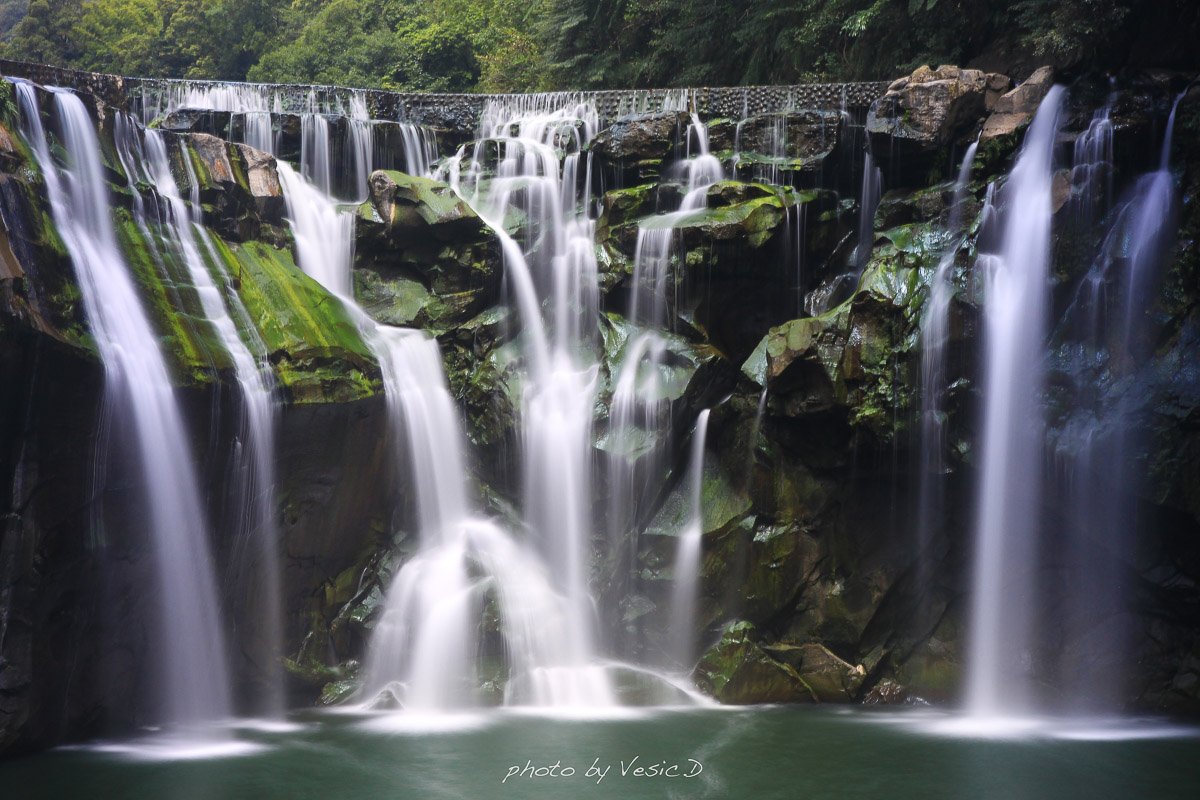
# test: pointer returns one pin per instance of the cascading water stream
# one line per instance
(636, 428)
(1095, 462)
(1015, 309)
(181, 227)
(557, 265)
(685, 591)
(423, 654)
(420, 149)
(1093, 166)
(835, 291)
(323, 231)
(935, 337)
(189, 637)
(868, 202)
(703, 169)
(795, 224)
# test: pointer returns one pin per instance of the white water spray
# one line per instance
(189, 637)
(685, 593)
(1016, 305)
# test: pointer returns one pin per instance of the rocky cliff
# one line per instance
(816, 583)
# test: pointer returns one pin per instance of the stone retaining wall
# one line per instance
(462, 111)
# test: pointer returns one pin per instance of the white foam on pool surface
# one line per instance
(169, 748)
(966, 726)
(264, 725)
(416, 722)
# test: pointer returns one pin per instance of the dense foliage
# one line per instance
(510, 45)
(11, 12)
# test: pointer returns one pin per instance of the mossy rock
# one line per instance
(768, 561)
(800, 359)
(722, 505)
(422, 256)
(829, 678)
(411, 206)
(756, 220)
(238, 186)
(35, 268)
(483, 376)
(728, 193)
(737, 671)
(621, 206)
(313, 342)
(808, 136)
(338, 693)
(194, 349)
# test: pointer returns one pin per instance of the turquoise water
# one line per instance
(790, 753)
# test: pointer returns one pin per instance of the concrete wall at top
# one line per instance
(462, 111)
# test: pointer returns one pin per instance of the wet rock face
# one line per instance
(262, 181)
(729, 252)
(805, 544)
(412, 207)
(806, 135)
(238, 183)
(1016, 108)
(424, 257)
(740, 669)
(739, 672)
(76, 613)
(924, 113)
(635, 147)
(194, 120)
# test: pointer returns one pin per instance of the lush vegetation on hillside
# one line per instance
(11, 12)
(511, 45)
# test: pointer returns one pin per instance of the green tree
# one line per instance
(416, 45)
(11, 13)
(348, 42)
(1071, 31)
(120, 36)
(47, 34)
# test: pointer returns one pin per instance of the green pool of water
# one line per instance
(790, 753)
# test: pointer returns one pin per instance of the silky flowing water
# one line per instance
(564, 696)
(772, 753)
(189, 644)
(1017, 288)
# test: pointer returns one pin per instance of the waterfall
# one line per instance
(324, 233)
(651, 270)
(625, 442)
(868, 202)
(426, 637)
(636, 425)
(189, 639)
(685, 593)
(935, 336)
(703, 170)
(423, 655)
(1098, 483)
(420, 149)
(315, 152)
(252, 107)
(557, 266)
(1015, 309)
(1093, 166)
(183, 231)
(795, 224)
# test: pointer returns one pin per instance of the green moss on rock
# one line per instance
(739, 672)
(316, 347)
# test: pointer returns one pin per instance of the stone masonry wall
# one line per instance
(463, 110)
